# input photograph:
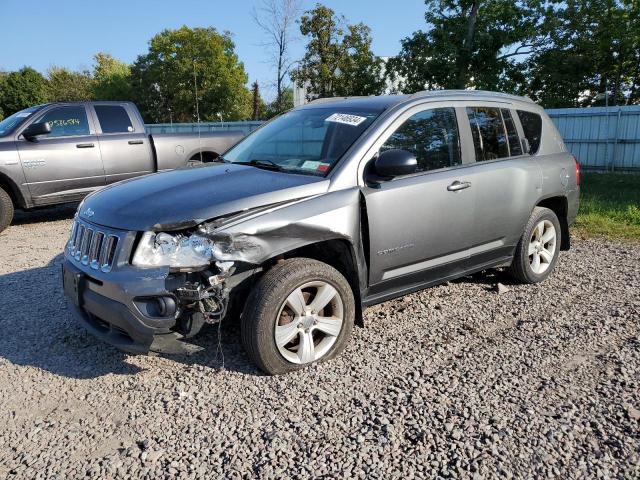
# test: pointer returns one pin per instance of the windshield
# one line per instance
(10, 123)
(308, 141)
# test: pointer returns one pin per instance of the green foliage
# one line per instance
(258, 106)
(560, 53)
(469, 44)
(610, 205)
(286, 103)
(594, 48)
(163, 79)
(112, 78)
(338, 61)
(22, 89)
(66, 86)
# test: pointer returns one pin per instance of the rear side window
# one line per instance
(113, 119)
(432, 136)
(489, 135)
(515, 147)
(66, 121)
(532, 127)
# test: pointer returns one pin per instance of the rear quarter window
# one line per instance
(532, 127)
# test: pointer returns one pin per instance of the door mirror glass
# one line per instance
(396, 162)
(35, 129)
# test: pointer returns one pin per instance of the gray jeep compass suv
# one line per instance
(329, 208)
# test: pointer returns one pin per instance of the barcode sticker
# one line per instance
(345, 118)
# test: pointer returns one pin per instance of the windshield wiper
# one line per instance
(267, 164)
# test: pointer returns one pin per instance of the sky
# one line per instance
(67, 33)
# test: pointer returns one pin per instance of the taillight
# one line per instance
(577, 171)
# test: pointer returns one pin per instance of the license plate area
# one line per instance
(73, 284)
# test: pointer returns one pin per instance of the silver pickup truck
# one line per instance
(60, 152)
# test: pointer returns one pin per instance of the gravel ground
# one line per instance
(456, 381)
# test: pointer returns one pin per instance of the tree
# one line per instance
(112, 78)
(22, 89)
(336, 63)
(593, 57)
(360, 70)
(469, 43)
(276, 19)
(3, 77)
(64, 85)
(257, 104)
(286, 103)
(178, 63)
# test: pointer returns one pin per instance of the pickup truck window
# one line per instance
(113, 119)
(12, 122)
(489, 134)
(532, 126)
(66, 121)
(432, 136)
(308, 141)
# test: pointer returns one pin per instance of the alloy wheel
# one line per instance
(542, 246)
(309, 322)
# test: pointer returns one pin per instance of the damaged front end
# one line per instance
(203, 272)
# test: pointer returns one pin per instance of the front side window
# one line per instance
(113, 119)
(532, 127)
(307, 141)
(432, 136)
(489, 136)
(66, 121)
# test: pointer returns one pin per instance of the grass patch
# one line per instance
(609, 205)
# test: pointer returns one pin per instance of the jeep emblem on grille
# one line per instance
(88, 213)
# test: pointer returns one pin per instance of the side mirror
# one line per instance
(526, 148)
(393, 163)
(35, 129)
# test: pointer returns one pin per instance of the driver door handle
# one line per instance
(84, 145)
(458, 185)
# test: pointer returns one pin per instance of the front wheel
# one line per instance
(6, 210)
(300, 312)
(537, 252)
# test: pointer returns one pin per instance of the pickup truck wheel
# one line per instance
(300, 312)
(537, 252)
(6, 210)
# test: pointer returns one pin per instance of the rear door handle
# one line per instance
(135, 142)
(457, 185)
(84, 145)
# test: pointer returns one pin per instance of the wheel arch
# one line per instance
(560, 206)
(338, 253)
(13, 190)
(207, 155)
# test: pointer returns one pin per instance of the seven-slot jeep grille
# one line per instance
(92, 246)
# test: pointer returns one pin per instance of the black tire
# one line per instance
(258, 320)
(6, 210)
(521, 268)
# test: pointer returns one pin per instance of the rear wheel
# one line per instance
(6, 210)
(300, 312)
(537, 252)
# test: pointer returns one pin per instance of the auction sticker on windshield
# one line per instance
(345, 118)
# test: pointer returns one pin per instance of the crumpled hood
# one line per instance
(180, 198)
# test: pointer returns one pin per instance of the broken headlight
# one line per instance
(177, 251)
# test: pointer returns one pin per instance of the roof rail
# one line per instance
(437, 93)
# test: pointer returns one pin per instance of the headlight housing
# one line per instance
(177, 251)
